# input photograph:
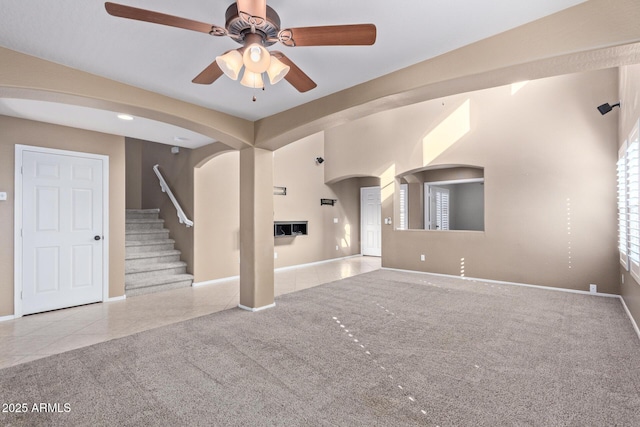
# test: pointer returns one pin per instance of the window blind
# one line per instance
(622, 205)
(403, 207)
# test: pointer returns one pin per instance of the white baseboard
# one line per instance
(291, 267)
(633, 321)
(215, 281)
(501, 282)
(120, 298)
(7, 318)
(256, 309)
(325, 261)
(550, 288)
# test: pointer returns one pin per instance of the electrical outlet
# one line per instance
(3, 196)
(593, 288)
(275, 255)
(337, 248)
(335, 220)
(422, 257)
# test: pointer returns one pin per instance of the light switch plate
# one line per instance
(3, 195)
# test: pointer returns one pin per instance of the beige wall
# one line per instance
(548, 159)
(16, 131)
(143, 189)
(295, 168)
(628, 115)
(217, 218)
(217, 223)
(133, 151)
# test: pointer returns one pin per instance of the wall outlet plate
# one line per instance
(593, 289)
(422, 257)
(3, 195)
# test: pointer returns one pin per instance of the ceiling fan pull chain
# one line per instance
(255, 98)
(254, 92)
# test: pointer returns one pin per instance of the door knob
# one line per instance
(97, 238)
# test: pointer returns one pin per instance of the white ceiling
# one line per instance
(80, 34)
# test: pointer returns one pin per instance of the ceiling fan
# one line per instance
(256, 26)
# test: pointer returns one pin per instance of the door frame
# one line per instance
(362, 225)
(17, 245)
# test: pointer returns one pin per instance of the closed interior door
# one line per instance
(62, 227)
(371, 224)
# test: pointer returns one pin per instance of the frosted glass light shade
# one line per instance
(256, 58)
(230, 63)
(277, 70)
(251, 79)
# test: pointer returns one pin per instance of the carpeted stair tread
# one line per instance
(159, 230)
(154, 254)
(158, 280)
(156, 267)
(148, 242)
(155, 210)
(152, 263)
(144, 221)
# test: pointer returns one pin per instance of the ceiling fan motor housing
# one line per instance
(238, 27)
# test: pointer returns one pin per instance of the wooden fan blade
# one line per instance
(252, 9)
(129, 12)
(209, 74)
(295, 76)
(331, 35)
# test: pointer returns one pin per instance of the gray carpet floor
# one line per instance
(385, 348)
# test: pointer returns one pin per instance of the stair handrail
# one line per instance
(182, 217)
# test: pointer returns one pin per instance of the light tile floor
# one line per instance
(39, 335)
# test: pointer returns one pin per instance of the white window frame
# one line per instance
(403, 211)
(623, 241)
(628, 172)
(633, 202)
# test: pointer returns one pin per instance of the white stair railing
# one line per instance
(182, 217)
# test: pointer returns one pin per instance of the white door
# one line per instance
(62, 231)
(437, 212)
(370, 208)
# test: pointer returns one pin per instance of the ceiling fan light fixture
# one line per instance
(252, 80)
(277, 70)
(230, 63)
(256, 58)
(256, 26)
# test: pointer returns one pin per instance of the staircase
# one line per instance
(152, 264)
